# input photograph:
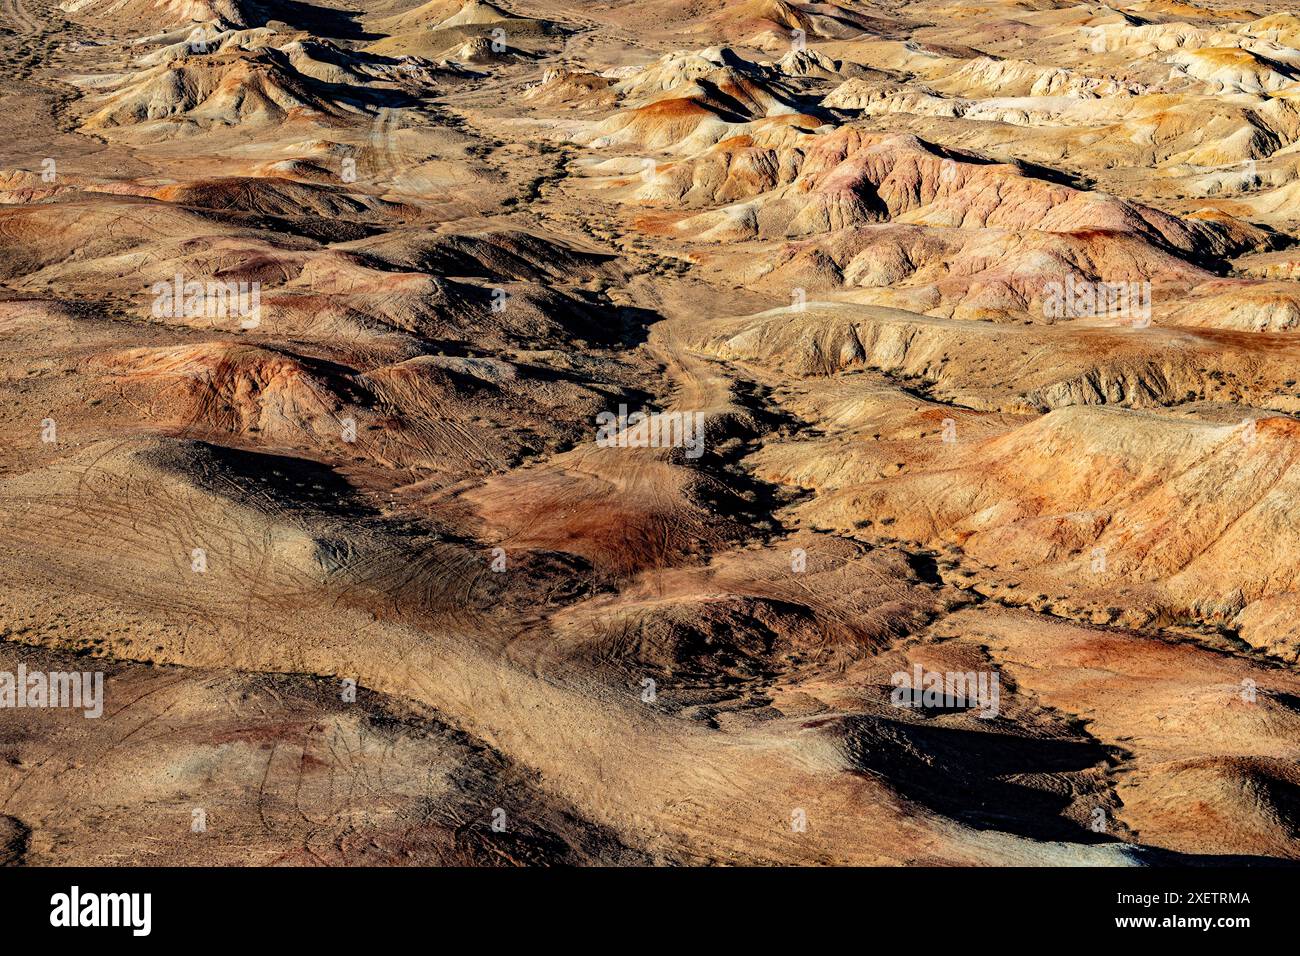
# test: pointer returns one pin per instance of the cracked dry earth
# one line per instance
(833, 230)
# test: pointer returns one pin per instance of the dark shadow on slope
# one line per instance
(982, 779)
(316, 20)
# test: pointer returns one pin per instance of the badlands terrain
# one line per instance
(969, 341)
